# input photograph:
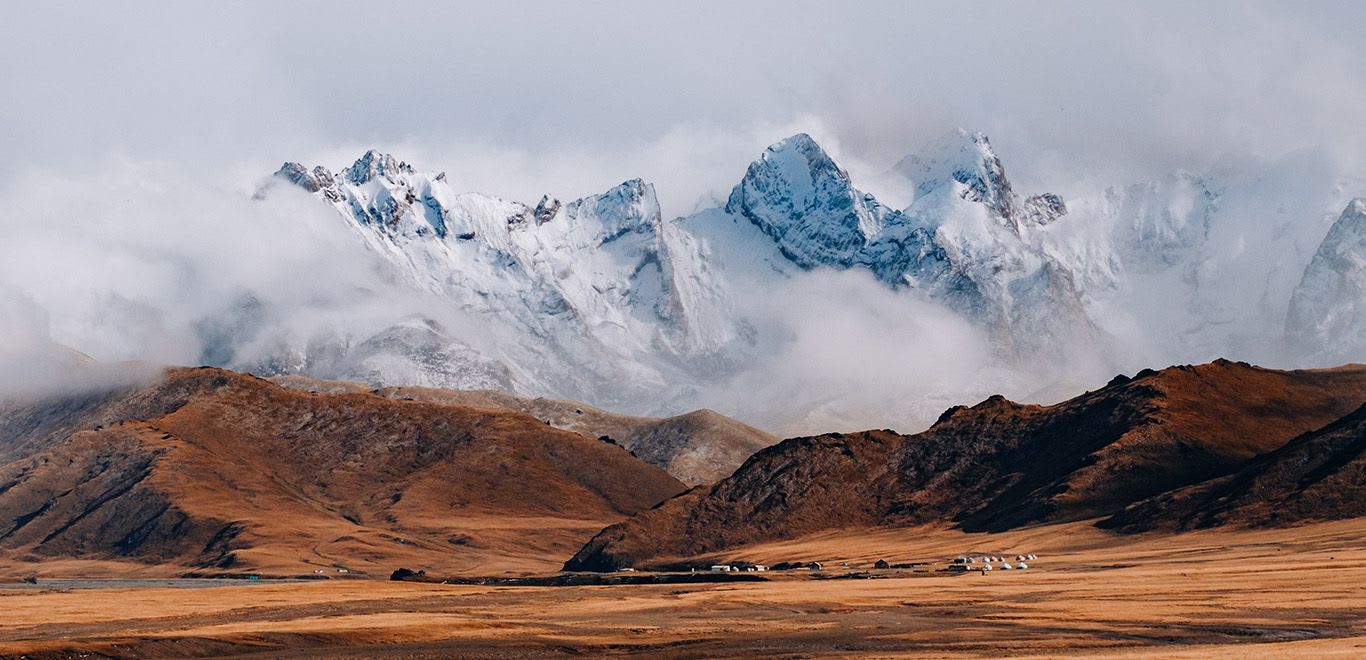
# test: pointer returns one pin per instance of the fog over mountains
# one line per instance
(1142, 206)
(802, 301)
(1138, 207)
(798, 302)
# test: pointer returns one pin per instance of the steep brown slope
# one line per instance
(1320, 475)
(998, 464)
(699, 447)
(212, 470)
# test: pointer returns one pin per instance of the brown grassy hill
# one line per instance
(997, 465)
(209, 470)
(700, 447)
(1320, 475)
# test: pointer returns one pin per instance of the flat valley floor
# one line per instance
(1295, 592)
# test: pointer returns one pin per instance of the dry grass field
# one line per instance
(1288, 592)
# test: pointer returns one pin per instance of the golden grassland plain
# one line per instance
(1288, 592)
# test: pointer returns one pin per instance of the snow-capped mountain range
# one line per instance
(596, 298)
(963, 242)
(603, 299)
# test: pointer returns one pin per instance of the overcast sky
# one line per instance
(518, 98)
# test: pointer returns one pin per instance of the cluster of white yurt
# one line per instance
(994, 562)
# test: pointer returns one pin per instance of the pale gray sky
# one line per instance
(519, 97)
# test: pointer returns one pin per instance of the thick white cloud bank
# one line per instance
(135, 135)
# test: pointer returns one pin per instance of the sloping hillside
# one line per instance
(208, 470)
(998, 465)
(1318, 476)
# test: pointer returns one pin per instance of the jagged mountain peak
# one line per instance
(318, 178)
(375, 164)
(960, 243)
(627, 192)
(802, 150)
(963, 165)
(959, 155)
(630, 204)
(794, 172)
(798, 195)
(379, 190)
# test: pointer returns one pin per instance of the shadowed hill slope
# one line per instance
(1318, 476)
(997, 465)
(212, 470)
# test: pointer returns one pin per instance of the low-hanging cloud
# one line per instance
(128, 265)
(32, 365)
(841, 351)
